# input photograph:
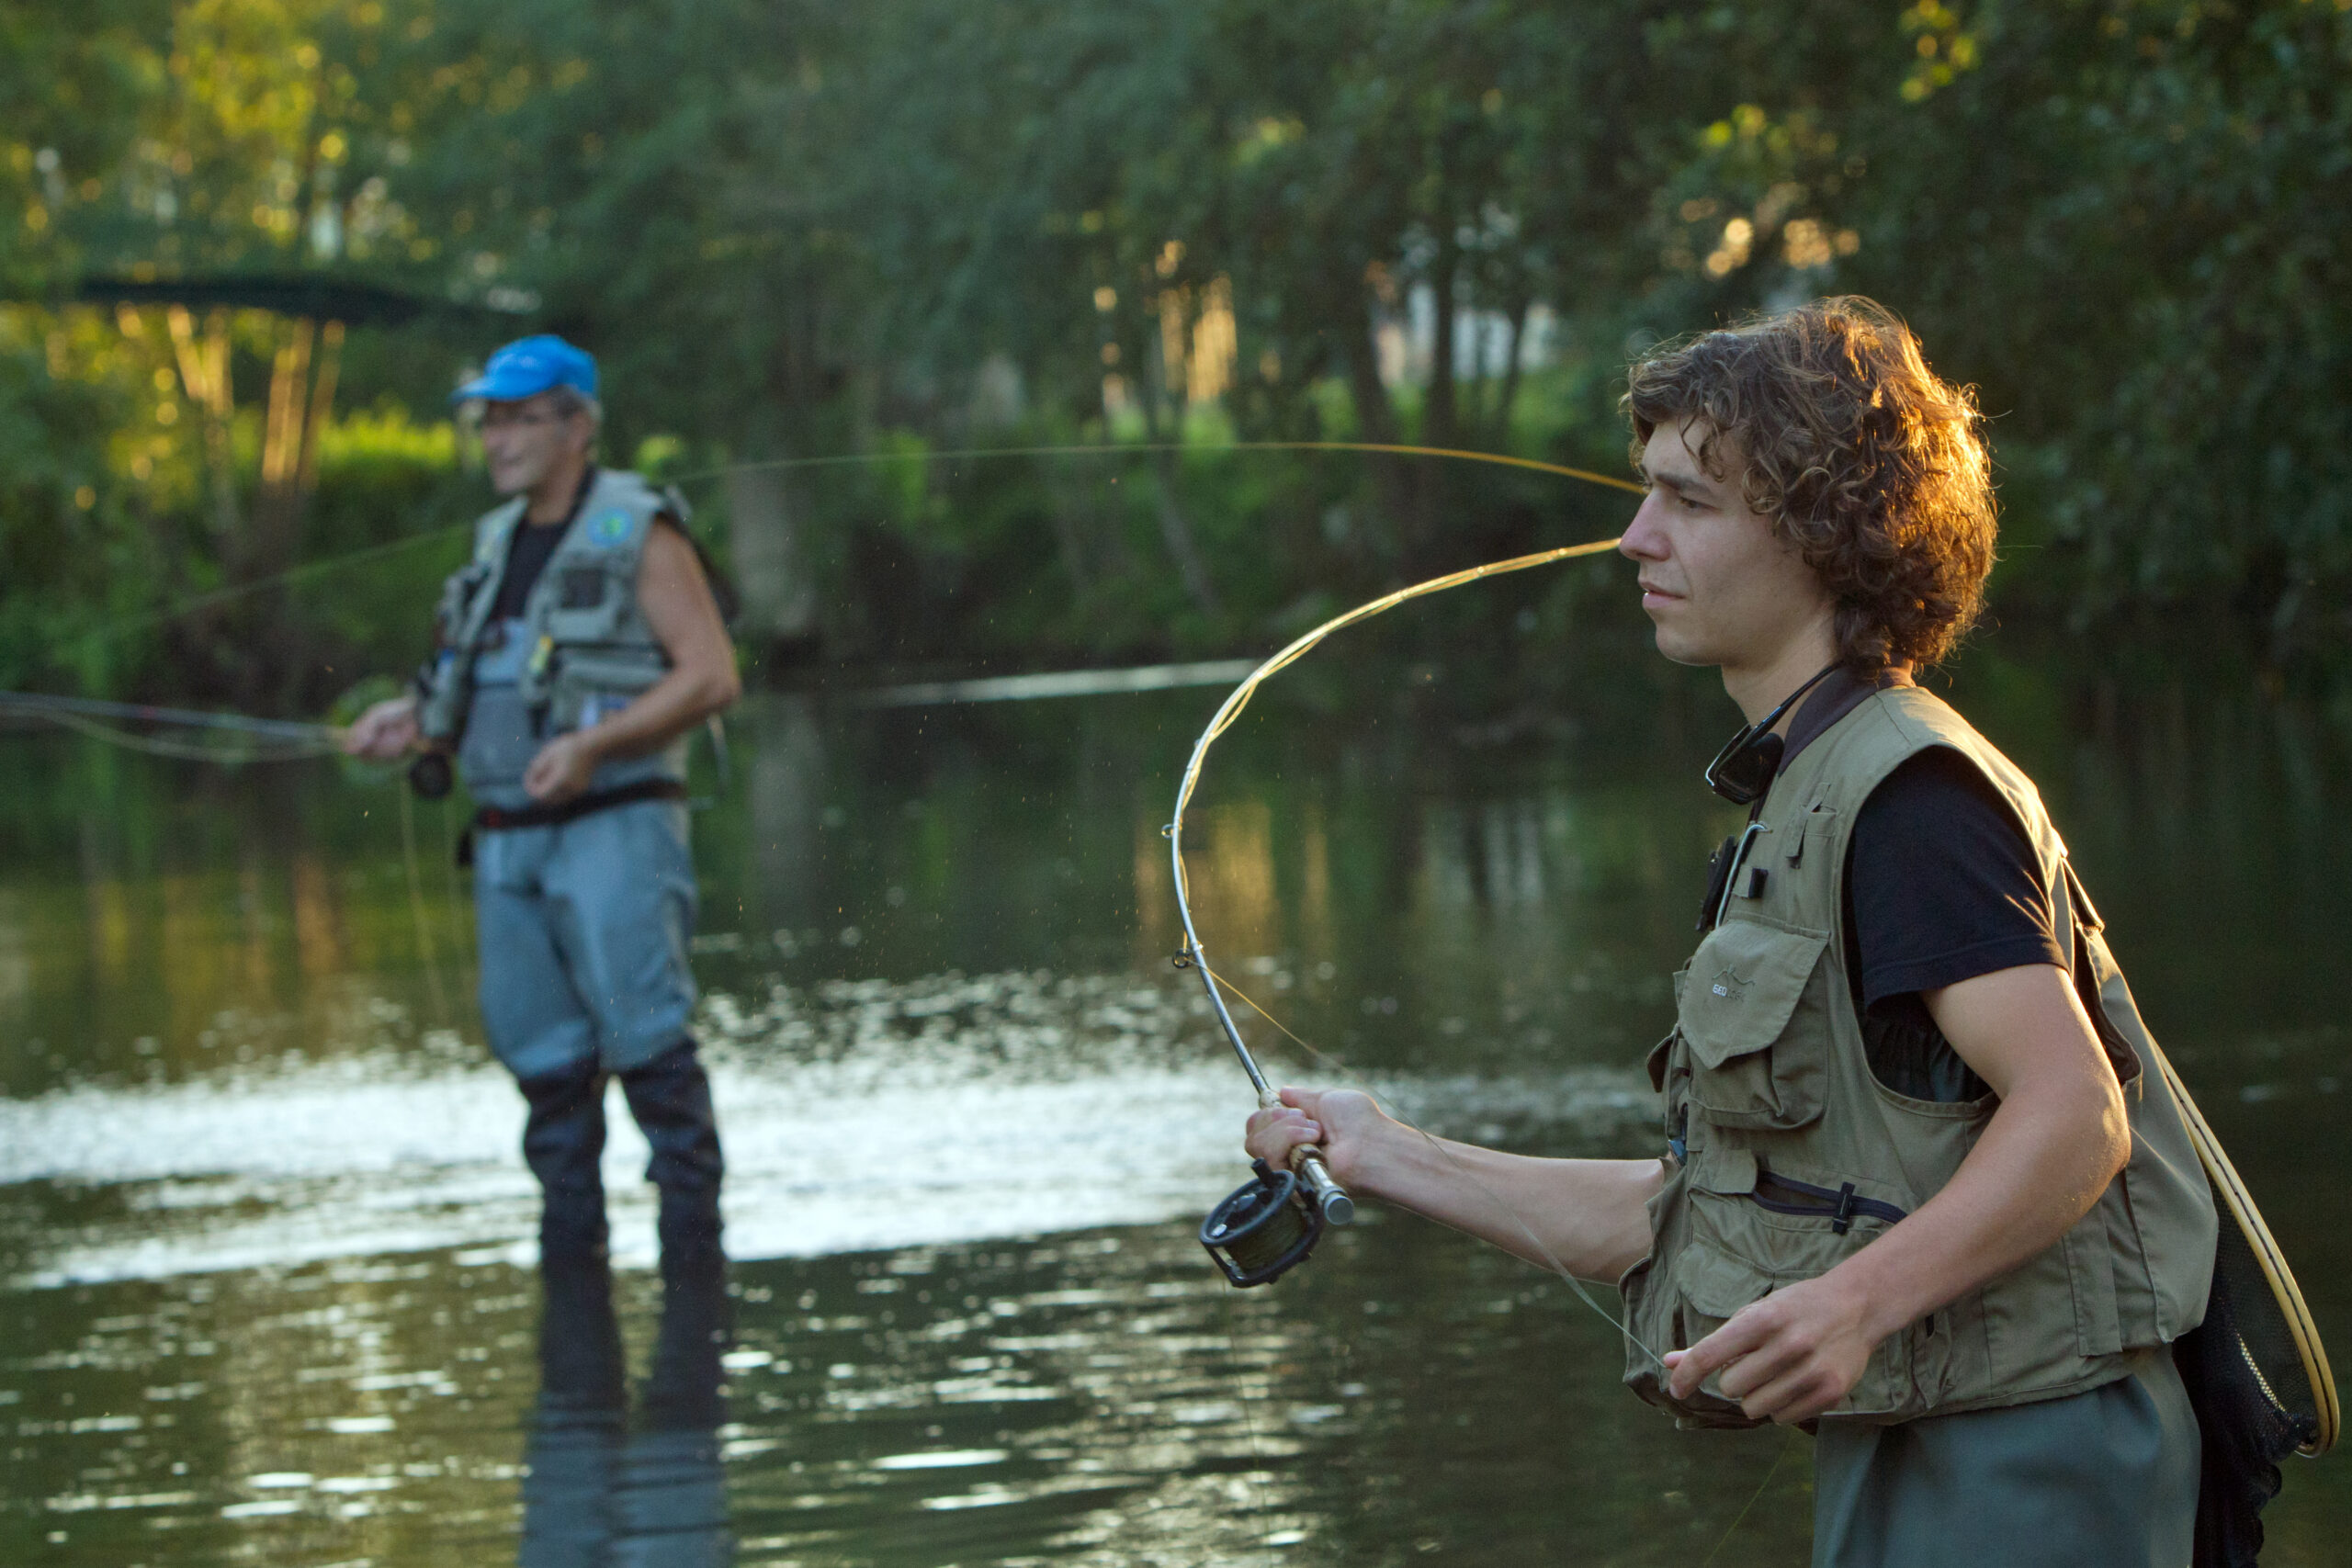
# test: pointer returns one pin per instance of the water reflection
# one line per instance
(598, 1490)
(263, 1167)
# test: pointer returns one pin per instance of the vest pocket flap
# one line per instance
(1744, 981)
(1715, 1283)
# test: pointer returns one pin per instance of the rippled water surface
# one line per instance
(269, 1294)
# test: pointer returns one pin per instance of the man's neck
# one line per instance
(553, 499)
(1760, 688)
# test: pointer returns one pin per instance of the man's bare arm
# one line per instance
(1587, 1216)
(676, 601)
(2058, 1138)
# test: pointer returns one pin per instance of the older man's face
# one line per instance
(525, 440)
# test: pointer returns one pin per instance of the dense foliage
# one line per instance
(908, 226)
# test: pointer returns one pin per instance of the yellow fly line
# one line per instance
(866, 459)
(924, 455)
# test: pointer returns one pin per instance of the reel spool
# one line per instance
(1263, 1228)
(430, 775)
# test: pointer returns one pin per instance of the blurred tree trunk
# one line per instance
(1175, 528)
(778, 599)
(1376, 420)
(203, 376)
(1440, 425)
(1499, 423)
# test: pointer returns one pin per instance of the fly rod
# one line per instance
(1270, 1224)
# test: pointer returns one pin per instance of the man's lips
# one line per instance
(1653, 594)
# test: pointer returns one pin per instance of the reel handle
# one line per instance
(1307, 1163)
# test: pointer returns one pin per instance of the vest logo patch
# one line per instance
(612, 528)
(1728, 986)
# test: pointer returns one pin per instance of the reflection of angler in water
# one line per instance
(599, 1492)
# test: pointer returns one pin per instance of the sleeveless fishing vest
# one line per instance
(1791, 1155)
(580, 648)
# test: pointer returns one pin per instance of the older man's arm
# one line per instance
(677, 604)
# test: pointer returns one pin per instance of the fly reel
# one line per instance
(430, 775)
(1263, 1228)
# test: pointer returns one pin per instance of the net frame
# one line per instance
(2238, 1208)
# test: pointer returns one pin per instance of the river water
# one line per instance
(266, 1292)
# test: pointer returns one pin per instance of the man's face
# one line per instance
(1721, 587)
(525, 440)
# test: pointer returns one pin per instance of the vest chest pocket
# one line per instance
(587, 602)
(581, 588)
(1758, 1036)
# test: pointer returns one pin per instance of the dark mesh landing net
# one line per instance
(2254, 1402)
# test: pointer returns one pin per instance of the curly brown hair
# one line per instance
(1873, 467)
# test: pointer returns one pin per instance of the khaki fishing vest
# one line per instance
(1793, 1157)
(580, 648)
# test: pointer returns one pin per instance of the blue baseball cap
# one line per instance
(531, 365)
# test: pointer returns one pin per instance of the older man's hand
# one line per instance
(385, 733)
(562, 770)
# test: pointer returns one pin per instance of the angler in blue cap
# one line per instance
(575, 652)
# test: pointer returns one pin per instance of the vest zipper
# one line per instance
(1841, 1205)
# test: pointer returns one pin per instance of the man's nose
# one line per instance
(1644, 539)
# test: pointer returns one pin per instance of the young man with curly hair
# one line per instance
(1923, 1191)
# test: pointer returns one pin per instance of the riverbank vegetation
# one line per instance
(248, 243)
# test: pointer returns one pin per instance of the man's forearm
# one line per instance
(664, 711)
(1587, 1216)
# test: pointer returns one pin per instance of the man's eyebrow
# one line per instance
(1676, 479)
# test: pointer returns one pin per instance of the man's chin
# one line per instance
(1678, 649)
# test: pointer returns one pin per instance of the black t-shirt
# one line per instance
(1940, 886)
(528, 551)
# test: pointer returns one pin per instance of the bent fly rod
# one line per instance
(1270, 1224)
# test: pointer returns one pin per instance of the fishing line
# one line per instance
(417, 909)
(291, 741)
(205, 601)
(1114, 448)
(156, 745)
(300, 738)
(469, 971)
(1753, 1498)
(1249, 1422)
